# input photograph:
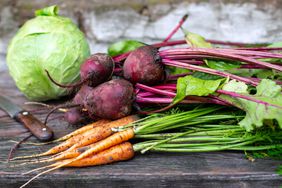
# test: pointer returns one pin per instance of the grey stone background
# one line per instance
(107, 21)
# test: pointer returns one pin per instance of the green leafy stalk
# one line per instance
(168, 122)
(263, 140)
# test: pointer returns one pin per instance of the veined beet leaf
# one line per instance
(190, 85)
(265, 105)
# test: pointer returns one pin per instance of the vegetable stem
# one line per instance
(208, 70)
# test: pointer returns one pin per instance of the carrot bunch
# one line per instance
(105, 141)
(79, 147)
(200, 129)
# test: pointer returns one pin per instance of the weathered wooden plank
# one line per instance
(219, 169)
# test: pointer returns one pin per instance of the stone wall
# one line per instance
(107, 21)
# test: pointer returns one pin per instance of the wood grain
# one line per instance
(218, 169)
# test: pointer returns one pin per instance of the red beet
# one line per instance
(97, 69)
(143, 66)
(110, 100)
(80, 96)
(74, 116)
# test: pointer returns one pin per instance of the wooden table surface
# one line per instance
(218, 169)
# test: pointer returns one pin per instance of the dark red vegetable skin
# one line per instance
(97, 69)
(80, 96)
(143, 66)
(110, 100)
(74, 116)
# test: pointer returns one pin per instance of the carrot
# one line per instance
(68, 143)
(69, 153)
(108, 130)
(96, 135)
(91, 136)
(81, 148)
(74, 133)
(120, 152)
(102, 145)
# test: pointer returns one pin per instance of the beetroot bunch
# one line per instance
(143, 80)
(99, 95)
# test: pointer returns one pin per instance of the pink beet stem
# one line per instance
(183, 19)
(170, 43)
(121, 57)
(226, 43)
(240, 44)
(176, 76)
(145, 94)
(162, 100)
(208, 70)
(237, 95)
(261, 48)
(193, 62)
(217, 54)
(155, 90)
(251, 53)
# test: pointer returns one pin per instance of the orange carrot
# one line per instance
(95, 136)
(82, 130)
(102, 145)
(120, 152)
(91, 136)
(72, 153)
(74, 133)
(68, 143)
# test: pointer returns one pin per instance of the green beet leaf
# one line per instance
(206, 76)
(234, 86)
(196, 40)
(274, 60)
(222, 65)
(257, 113)
(190, 85)
(123, 47)
(176, 70)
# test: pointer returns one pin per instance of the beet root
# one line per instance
(97, 69)
(74, 116)
(80, 96)
(110, 100)
(143, 66)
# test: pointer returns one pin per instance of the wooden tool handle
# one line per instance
(36, 127)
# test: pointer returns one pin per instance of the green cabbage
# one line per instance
(46, 42)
